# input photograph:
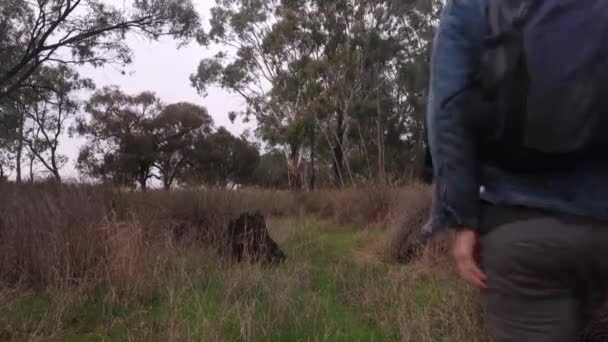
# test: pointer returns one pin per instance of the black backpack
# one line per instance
(545, 75)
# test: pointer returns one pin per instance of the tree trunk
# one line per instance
(143, 178)
(313, 172)
(293, 166)
(32, 159)
(19, 153)
(338, 151)
(55, 169)
(338, 165)
(419, 155)
(143, 182)
(381, 163)
(57, 176)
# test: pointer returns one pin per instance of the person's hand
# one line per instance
(465, 251)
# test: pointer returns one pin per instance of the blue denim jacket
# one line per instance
(461, 180)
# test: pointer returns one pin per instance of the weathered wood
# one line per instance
(247, 239)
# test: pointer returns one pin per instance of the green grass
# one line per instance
(324, 292)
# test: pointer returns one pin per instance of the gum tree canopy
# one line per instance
(35, 32)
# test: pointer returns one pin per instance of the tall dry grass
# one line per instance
(52, 235)
(67, 235)
(63, 236)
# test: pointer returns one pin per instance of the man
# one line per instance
(517, 118)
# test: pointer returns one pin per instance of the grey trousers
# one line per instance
(547, 274)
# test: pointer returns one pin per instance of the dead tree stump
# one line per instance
(247, 239)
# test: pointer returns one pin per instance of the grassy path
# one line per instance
(332, 288)
(332, 271)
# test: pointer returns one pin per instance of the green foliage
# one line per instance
(221, 159)
(265, 40)
(135, 138)
(353, 72)
(113, 120)
(9, 123)
(176, 130)
(122, 144)
(339, 87)
(40, 38)
(271, 171)
(46, 108)
(81, 31)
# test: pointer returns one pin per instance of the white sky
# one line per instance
(164, 69)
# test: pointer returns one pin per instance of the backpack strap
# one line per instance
(505, 40)
(504, 76)
(497, 16)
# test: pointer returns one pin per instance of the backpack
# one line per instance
(545, 72)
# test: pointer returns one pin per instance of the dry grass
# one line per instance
(64, 236)
(88, 263)
(58, 236)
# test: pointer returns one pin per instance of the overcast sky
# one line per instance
(164, 69)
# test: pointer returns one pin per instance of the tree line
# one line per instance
(134, 138)
(337, 90)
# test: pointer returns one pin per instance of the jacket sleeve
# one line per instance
(454, 65)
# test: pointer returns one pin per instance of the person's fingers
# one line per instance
(464, 251)
(478, 275)
(471, 277)
(465, 272)
(469, 270)
(476, 269)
